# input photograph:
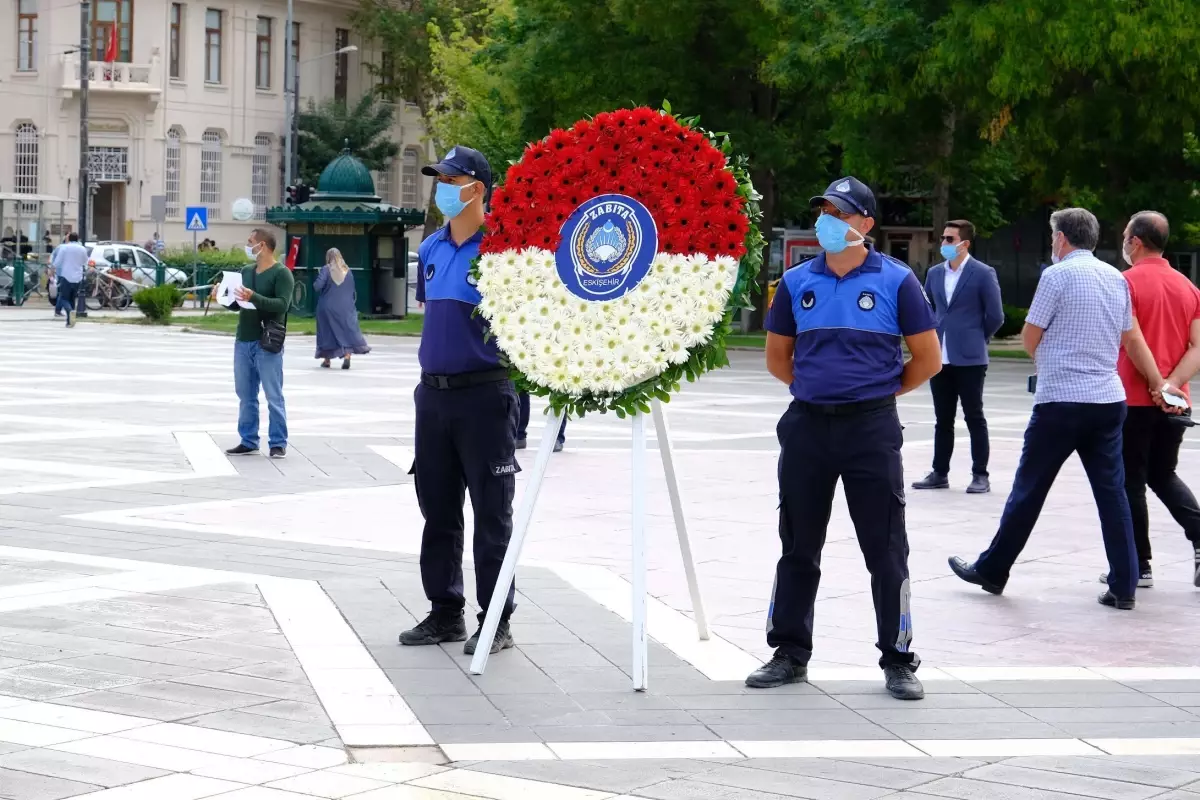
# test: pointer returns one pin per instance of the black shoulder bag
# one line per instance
(273, 331)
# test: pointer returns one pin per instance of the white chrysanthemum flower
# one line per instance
(573, 346)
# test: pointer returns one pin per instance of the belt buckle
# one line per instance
(441, 382)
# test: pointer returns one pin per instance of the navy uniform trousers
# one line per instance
(1055, 431)
(863, 449)
(465, 443)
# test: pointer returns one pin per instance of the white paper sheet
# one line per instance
(230, 282)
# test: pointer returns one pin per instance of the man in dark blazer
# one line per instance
(965, 295)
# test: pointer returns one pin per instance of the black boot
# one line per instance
(934, 480)
(503, 640)
(437, 628)
(779, 670)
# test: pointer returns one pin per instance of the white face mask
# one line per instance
(252, 251)
(1125, 254)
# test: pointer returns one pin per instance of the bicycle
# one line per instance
(109, 293)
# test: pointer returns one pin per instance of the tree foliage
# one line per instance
(327, 129)
(986, 109)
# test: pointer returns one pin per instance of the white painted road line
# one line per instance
(205, 456)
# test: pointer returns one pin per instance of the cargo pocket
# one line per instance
(417, 486)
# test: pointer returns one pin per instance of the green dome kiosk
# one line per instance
(345, 213)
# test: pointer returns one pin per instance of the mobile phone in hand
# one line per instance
(1172, 399)
(1032, 385)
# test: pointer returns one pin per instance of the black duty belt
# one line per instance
(846, 409)
(463, 379)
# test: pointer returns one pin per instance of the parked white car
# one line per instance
(142, 263)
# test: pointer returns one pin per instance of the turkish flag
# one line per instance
(293, 253)
(111, 50)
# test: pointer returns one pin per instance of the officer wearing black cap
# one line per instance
(466, 422)
(833, 336)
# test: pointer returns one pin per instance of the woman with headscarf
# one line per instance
(338, 334)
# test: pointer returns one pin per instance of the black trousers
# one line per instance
(523, 420)
(863, 450)
(950, 387)
(465, 443)
(1055, 431)
(1151, 454)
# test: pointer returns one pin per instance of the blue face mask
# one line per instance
(831, 234)
(949, 251)
(449, 199)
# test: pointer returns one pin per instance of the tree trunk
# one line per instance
(763, 103)
(433, 217)
(764, 183)
(941, 179)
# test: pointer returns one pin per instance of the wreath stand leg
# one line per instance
(685, 544)
(641, 666)
(508, 568)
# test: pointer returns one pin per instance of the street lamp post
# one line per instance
(288, 101)
(293, 131)
(85, 8)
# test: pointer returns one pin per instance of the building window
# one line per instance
(214, 20)
(105, 15)
(176, 41)
(25, 168)
(383, 182)
(262, 64)
(260, 175)
(408, 178)
(341, 39)
(173, 183)
(210, 172)
(295, 44)
(26, 35)
(108, 164)
(387, 69)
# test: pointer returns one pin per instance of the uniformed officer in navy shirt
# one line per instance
(466, 422)
(833, 336)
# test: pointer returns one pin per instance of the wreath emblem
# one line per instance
(616, 253)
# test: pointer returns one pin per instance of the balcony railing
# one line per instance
(115, 77)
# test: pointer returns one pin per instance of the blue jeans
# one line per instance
(252, 367)
(1055, 431)
(67, 292)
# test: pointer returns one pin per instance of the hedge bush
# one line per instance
(158, 302)
(181, 258)
(1014, 320)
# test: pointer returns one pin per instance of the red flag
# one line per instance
(293, 253)
(111, 51)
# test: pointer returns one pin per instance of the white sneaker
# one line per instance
(1146, 577)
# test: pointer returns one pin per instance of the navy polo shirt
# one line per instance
(848, 330)
(452, 336)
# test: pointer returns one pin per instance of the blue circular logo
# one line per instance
(607, 246)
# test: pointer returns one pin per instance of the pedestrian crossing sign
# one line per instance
(197, 218)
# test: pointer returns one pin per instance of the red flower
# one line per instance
(675, 172)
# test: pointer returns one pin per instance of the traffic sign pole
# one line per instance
(197, 220)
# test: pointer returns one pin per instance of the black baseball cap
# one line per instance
(462, 161)
(850, 195)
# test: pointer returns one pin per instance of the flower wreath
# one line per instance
(620, 353)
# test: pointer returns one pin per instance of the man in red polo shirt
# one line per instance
(1167, 307)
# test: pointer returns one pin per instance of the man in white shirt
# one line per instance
(69, 261)
(965, 295)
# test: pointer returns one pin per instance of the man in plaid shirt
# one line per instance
(1080, 317)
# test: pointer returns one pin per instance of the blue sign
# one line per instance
(197, 218)
(608, 244)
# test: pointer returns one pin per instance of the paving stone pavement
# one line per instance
(1038, 694)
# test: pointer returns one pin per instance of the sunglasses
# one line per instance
(950, 240)
(834, 211)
